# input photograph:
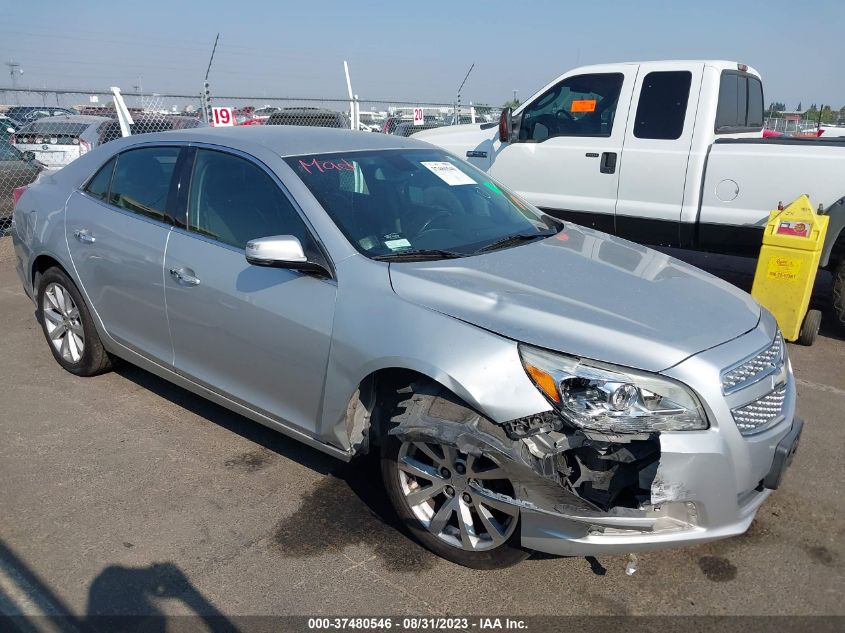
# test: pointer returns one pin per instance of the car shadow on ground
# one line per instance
(119, 599)
(347, 507)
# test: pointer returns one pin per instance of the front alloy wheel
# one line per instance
(440, 485)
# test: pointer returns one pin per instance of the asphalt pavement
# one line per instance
(125, 494)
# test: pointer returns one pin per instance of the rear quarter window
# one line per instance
(98, 186)
(740, 107)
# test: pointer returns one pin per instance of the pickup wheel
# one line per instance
(434, 488)
(839, 292)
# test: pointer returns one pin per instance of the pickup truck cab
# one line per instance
(664, 153)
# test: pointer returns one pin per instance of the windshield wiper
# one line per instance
(418, 255)
(511, 240)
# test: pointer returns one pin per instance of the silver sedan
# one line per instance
(527, 384)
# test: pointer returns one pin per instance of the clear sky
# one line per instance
(412, 50)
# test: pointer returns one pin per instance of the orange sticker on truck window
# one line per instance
(583, 105)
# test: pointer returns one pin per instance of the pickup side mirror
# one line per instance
(28, 156)
(281, 251)
(506, 125)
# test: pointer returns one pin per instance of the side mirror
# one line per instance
(506, 125)
(29, 156)
(281, 251)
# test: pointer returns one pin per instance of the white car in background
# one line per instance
(55, 140)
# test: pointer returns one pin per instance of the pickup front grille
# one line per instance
(755, 368)
(761, 414)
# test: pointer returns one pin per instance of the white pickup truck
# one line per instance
(664, 153)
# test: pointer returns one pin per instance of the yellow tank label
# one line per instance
(783, 268)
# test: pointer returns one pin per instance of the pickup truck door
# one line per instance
(566, 156)
(657, 150)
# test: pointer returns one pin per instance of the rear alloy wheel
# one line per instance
(448, 500)
(68, 326)
(62, 324)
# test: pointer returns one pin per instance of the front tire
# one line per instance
(68, 326)
(428, 485)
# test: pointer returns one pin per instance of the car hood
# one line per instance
(588, 294)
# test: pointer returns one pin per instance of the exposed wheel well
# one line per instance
(41, 264)
(374, 402)
(837, 251)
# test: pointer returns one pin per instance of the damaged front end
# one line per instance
(572, 483)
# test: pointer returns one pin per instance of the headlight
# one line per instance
(612, 399)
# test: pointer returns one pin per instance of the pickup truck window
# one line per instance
(583, 105)
(663, 105)
(740, 103)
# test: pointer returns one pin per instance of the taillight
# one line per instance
(820, 132)
(84, 146)
(17, 192)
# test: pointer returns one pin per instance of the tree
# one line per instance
(511, 103)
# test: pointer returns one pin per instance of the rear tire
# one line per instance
(495, 540)
(810, 327)
(68, 326)
(839, 292)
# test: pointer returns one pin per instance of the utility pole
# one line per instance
(14, 67)
(458, 113)
(206, 92)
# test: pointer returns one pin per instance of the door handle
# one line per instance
(607, 165)
(84, 236)
(180, 275)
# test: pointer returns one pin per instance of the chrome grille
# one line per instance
(759, 415)
(755, 368)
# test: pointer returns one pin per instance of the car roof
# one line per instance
(283, 140)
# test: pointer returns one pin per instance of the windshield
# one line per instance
(390, 202)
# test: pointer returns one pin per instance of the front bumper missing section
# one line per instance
(556, 520)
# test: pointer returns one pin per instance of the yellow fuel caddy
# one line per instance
(786, 269)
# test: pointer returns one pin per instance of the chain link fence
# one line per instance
(43, 130)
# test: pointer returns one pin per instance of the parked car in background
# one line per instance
(391, 122)
(16, 170)
(27, 114)
(56, 140)
(407, 128)
(310, 117)
(256, 120)
(527, 384)
(7, 128)
(143, 124)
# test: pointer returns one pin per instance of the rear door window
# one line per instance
(141, 181)
(583, 105)
(663, 105)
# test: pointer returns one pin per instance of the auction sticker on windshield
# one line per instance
(448, 173)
